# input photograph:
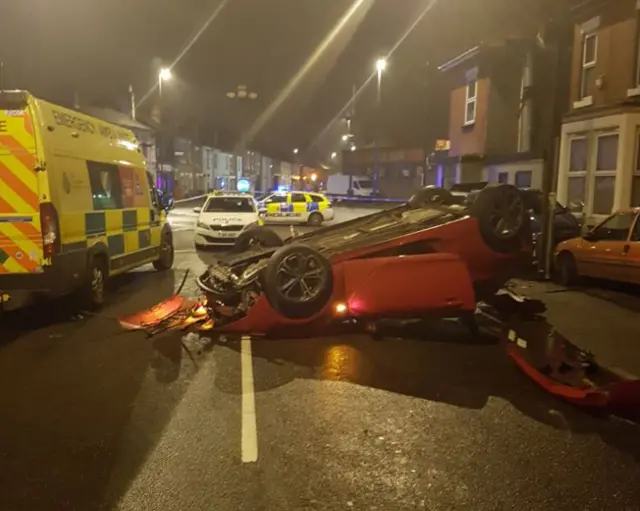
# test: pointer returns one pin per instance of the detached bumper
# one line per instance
(329, 214)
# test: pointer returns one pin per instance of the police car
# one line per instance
(296, 207)
(224, 217)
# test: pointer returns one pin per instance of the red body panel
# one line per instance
(408, 286)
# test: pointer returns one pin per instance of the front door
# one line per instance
(298, 207)
(604, 251)
(274, 207)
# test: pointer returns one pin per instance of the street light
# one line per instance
(334, 155)
(345, 138)
(353, 147)
(242, 92)
(295, 151)
(381, 65)
(164, 75)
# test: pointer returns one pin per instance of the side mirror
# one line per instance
(197, 210)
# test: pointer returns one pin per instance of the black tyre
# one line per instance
(94, 290)
(430, 195)
(167, 253)
(257, 236)
(502, 217)
(566, 270)
(298, 281)
(315, 219)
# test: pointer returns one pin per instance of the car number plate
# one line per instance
(226, 234)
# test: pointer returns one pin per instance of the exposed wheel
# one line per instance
(94, 289)
(298, 281)
(257, 236)
(566, 271)
(315, 219)
(502, 217)
(430, 195)
(167, 253)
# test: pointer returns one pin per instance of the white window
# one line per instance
(589, 55)
(604, 180)
(635, 188)
(470, 106)
(578, 158)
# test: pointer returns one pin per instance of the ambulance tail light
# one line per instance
(50, 229)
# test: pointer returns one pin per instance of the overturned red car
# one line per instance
(426, 258)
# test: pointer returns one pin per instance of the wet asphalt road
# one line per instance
(93, 419)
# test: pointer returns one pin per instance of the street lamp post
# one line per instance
(164, 74)
(240, 93)
(381, 65)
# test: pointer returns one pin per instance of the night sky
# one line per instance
(96, 48)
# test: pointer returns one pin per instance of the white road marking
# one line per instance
(249, 429)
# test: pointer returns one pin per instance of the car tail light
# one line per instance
(50, 229)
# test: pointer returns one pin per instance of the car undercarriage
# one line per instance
(424, 260)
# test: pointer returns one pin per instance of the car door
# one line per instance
(274, 210)
(633, 253)
(298, 205)
(603, 253)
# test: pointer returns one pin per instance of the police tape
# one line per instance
(333, 198)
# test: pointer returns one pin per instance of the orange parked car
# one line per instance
(610, 251)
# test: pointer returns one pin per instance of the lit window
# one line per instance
(589, 55)
(470, 106)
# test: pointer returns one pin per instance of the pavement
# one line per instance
(94, 419)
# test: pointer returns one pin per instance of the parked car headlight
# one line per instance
(202, 225)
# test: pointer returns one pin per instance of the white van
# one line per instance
(338, 184)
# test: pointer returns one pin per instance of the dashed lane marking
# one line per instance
(249, 430)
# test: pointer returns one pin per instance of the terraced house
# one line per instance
(599, 165)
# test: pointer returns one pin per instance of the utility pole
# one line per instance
(555, 43)
(132, 99)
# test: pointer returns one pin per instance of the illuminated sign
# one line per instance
(443, 145)
(243, 185)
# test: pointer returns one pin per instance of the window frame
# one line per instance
(579, 174)
(586, 65)
(114, 171)
(296, 194)
(523, 172)
(636, 84)
(470, 100)
(598, 173)
(269, 199)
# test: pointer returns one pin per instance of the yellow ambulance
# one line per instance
(76, 204)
